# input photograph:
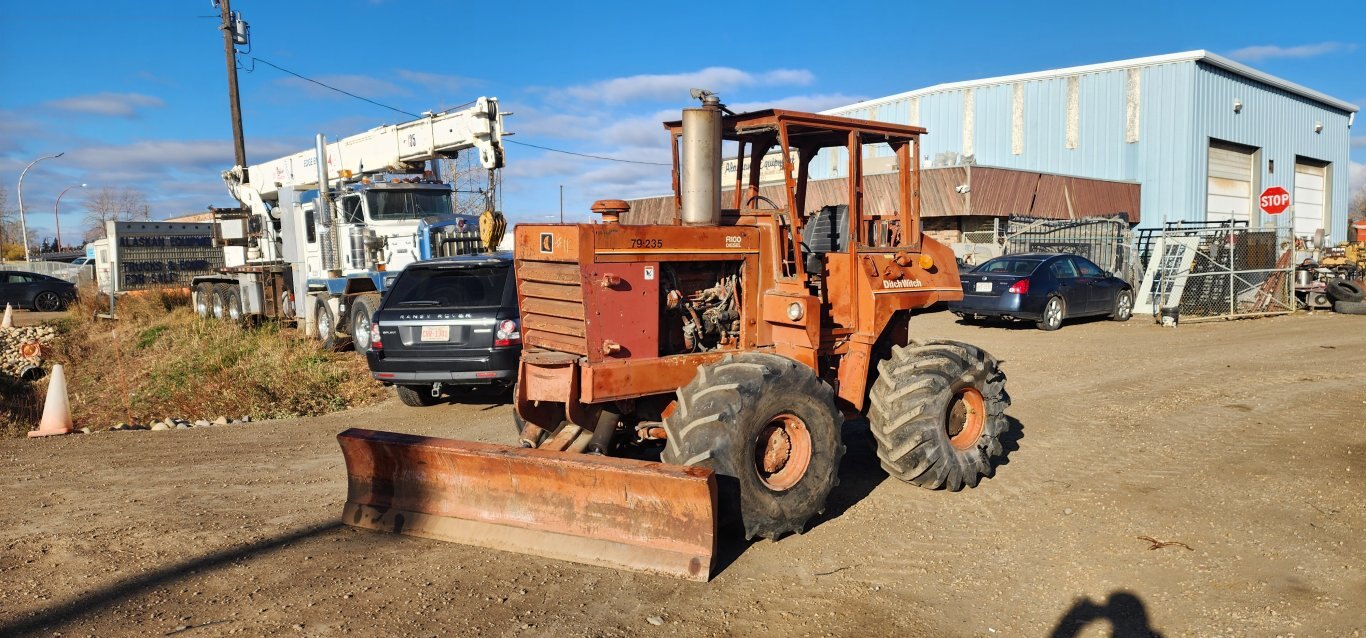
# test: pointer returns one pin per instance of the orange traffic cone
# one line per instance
(8, 321)
(57, 409)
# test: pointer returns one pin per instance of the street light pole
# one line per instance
(23, 224)
(57, 220)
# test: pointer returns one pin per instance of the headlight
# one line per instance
(794, 311)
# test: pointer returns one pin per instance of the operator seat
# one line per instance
(824, 231)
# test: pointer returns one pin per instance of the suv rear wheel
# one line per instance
(418, 396)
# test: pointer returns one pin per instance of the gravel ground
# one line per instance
(1245, 441)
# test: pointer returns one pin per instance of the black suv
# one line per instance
(445, 322)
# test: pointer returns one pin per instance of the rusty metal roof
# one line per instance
(990, 191)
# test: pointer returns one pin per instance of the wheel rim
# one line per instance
(201, 304)
(1125, 305)
(360, 331)
(217, 307)
(324, 323)
(46, 301)
(1053, 314)
(287, 305)
(967, 417)
(235, 311)
(782, 452)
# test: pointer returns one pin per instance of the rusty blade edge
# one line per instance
(549, 544)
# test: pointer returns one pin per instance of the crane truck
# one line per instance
(321, 233)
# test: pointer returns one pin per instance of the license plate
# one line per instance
(436, 333)
(983, 286)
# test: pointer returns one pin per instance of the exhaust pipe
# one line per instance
(702, 162)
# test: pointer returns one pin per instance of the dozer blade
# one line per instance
(597, 510)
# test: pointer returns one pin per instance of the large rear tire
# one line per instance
(419, 396)
(203, 300)
(769, 427)
(938, 413)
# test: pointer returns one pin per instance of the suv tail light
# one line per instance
(508, 333)
(375, 342)
(1020, 287)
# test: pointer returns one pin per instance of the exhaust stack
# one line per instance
(702, 162)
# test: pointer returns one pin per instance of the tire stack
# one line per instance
(1347, 297)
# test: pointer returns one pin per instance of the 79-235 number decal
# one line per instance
(647, 243)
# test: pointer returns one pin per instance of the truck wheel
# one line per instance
(362, 309)
(418, 396)
(769, 427)
(203, 300)
(232, 304)
(1124, 306)
(938, 412)
(220, 302)
(325, 326)
(1344, 290)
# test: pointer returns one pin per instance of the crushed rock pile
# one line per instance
(21, 350)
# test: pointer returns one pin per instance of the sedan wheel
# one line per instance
(47, 301)
(1052, 314)
(1124, 306)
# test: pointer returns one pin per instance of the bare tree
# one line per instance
(1356, 209)
(110, 205)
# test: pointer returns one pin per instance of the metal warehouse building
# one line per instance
(1203, 135)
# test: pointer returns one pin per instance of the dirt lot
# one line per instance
(1245, 441)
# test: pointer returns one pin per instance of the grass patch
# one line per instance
(159, 360)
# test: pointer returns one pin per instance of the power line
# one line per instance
(328, 86)
(596, 157)
(415, 116)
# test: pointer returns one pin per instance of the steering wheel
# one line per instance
(765, 199)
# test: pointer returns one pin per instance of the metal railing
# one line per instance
(58, 269)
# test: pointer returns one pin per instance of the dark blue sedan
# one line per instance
(1043, 288)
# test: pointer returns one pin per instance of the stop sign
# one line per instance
(1275, 200)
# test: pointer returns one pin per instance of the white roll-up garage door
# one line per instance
(1230, 183)
(1309, 198)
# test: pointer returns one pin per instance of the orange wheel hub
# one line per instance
(782, 452)
(967, 418)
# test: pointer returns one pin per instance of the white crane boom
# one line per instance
(390, 148)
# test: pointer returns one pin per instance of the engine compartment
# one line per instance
(702, 306)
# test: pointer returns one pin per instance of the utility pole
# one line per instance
(232, 37)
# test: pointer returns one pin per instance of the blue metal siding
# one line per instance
(1182, 105)
(1279, 123)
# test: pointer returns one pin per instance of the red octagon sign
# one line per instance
(1275, 200)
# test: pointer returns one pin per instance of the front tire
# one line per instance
(417, 396)
(362, 309)
(769, 426)
(1053, 311)
(325, 326)
(1124, 306)
(938, 413)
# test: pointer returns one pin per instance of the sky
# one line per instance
(135, 93)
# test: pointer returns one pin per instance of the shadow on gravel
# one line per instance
(1124, 611)
(1022, 324)
(94, 602)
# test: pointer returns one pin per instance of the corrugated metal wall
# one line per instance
(1150, 124)
(1281, 125)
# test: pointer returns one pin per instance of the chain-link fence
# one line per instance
(58, 269)
(1218, 272)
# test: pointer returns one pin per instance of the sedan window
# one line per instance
(1087, 268)
(1063, 269)
(1008, 267)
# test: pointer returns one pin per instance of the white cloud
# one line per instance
(675, 86)
(435, 82)
(1271, 51)
(1359, 141)
(1356, 176)
(813, 103)
(108, 104)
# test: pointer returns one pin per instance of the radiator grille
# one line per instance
(552, 306)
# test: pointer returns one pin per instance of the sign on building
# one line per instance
(148, 255)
